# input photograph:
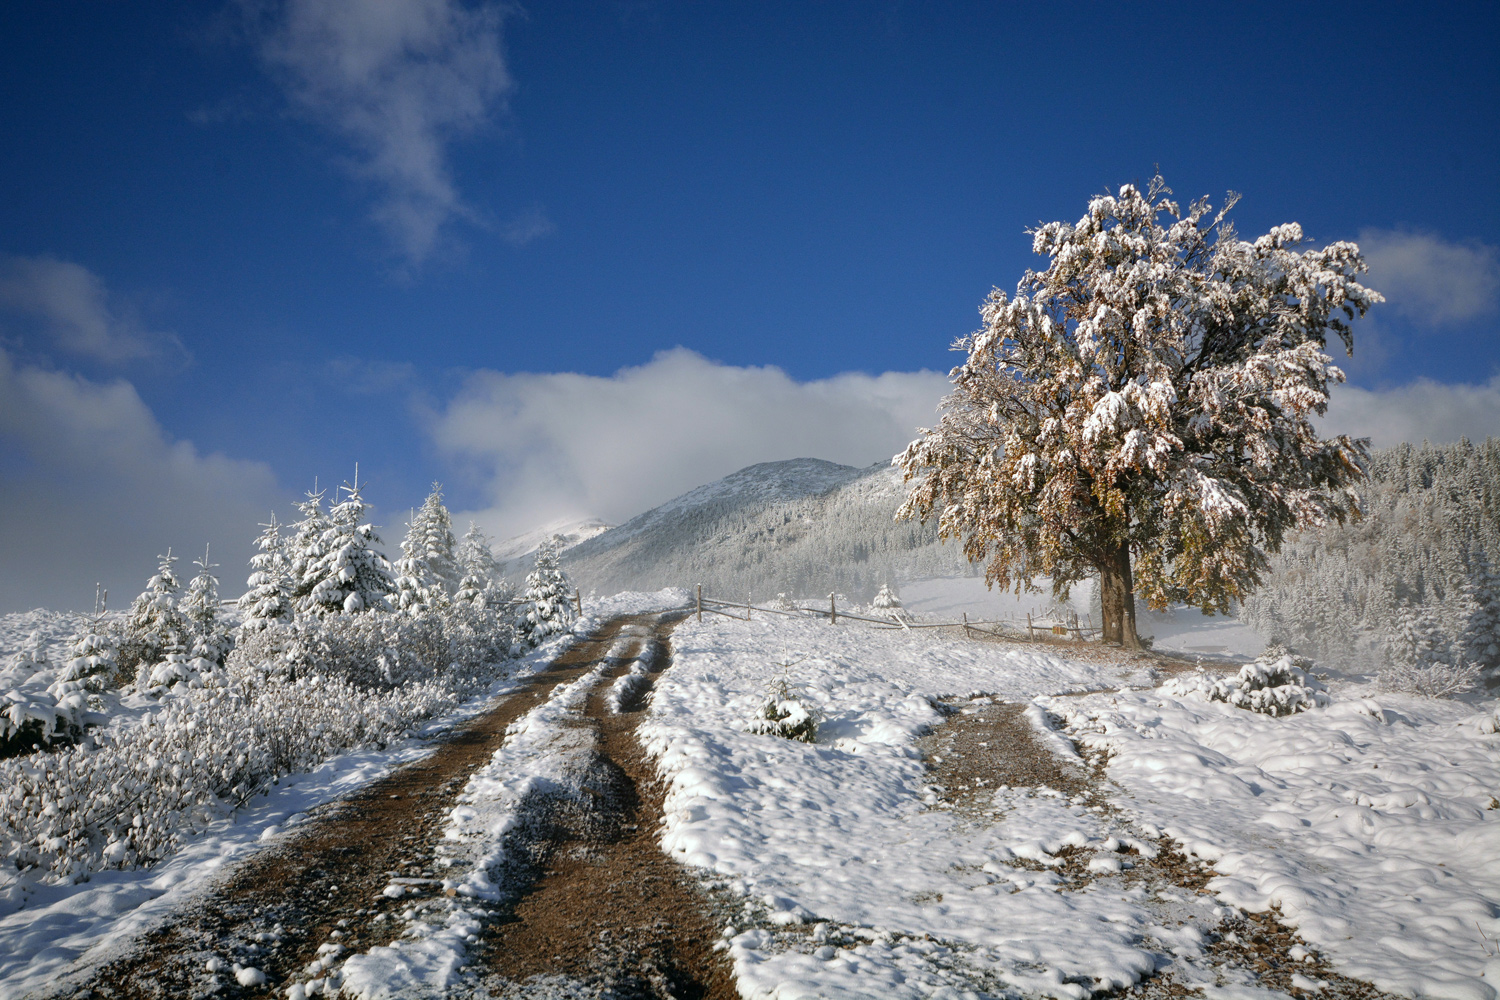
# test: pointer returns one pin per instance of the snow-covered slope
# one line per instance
(519, 551)
(802, 527)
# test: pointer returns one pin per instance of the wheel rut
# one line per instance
(323, 881)
(609, 915)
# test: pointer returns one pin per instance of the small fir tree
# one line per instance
(208, 638)
(95, 662)
(155, 624)
(351, 575)
(547, 606)
(428, 571)
(267, 599)
(306, 550)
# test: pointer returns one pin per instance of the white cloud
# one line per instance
(92, 488)
(1422, 410)
(72, 309)
(531, 224)
(1430, 280)
(557, 446)
(397, 80)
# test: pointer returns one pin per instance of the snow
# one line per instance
(841, 833)
(1178, 630)
(1370, 823)
(521, 549)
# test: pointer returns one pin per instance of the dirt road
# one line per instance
(597, 910)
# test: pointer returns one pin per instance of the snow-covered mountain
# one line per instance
(519, 551)
(803, 527)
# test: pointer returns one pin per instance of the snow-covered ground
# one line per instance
(1178, 630)
(1367, 822)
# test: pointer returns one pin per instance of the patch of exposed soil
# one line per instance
(984, 745)
(611, 913)
(323, 883)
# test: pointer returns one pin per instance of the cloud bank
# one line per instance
(397, 80)
(68, 306)
(560, 446)
(92, 488)
(1430, 280)
(1423, 410)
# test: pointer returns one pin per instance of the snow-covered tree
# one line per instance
(887, 604)
(208, 638)
(306, 548)
(154, 624)
(268, 596)
(548, 597)
(95, 662)
(428, 571)
(350, 574)
(476, 557)
(1140, 409)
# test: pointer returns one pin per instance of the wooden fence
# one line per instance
(997, 627)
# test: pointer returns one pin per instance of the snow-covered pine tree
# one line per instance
(548, 597)
(1140, 410)
(887, 604)
(155, 624)
(482, 583)
(95, 662)
(306, 549)
(476, 557)
(268, 595)
(351, 575)
(208, 639)
(428, 571)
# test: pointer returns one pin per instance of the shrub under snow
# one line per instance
(785, 714)
(1276, 684)
(130, 796)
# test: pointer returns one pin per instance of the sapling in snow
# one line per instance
(1277, 683)
(268, 595)
(209, 639)
(155, 624)
(888, 605)
(349, 573)
(427, 572)
(548, 597)
(786, 712)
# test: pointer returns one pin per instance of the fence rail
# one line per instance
(997, 627)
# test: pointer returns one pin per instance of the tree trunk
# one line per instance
(1117, 598)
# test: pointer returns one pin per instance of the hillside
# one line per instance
(803, 527)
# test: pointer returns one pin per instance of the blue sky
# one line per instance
(248, 244)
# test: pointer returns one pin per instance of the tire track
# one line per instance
(323, 882)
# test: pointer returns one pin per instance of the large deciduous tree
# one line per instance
(1140, 409)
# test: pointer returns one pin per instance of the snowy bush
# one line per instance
(95, 662)
(1276, 684)
(380, 651)
(130, 799)
(785, 713)
(35, 708)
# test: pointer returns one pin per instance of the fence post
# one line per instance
(747, 605)
(1029, 633)
(833, 610)
(700, 602)
(578, 601)
(966, 625)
